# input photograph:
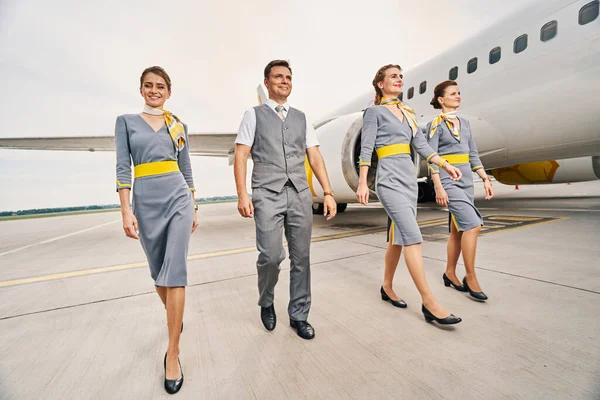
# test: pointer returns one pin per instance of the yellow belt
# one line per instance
(155, 168)
(456, 158)
(393, 149)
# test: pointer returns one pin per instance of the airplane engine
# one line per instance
(579, 169)
(340, 146)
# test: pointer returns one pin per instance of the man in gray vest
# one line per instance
(280, 138)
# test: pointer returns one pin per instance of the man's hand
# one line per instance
(245, 207)
(329, 206)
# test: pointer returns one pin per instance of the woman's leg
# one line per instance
(414, 262)
(392, 257)
(453, 253)
(175, 306)
(469, 248)
(162, 293)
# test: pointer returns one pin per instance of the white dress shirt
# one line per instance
(247, 129)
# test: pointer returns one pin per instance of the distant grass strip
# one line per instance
(61, 211)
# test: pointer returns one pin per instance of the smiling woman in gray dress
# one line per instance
(451, 136)
(163, 213)
(390, 127)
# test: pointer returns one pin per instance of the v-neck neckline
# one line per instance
(395, 116)
(150, 126)
(391, 112)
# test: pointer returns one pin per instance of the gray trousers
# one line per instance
(274, 212)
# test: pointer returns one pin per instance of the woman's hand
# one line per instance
(195, 223)
(362, 194)
(454, 172)
(130, 225)
(441, 197)
(489, 191)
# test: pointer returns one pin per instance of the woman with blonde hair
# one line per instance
(390, 127)
(163, 213)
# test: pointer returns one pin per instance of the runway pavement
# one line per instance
(79, 318)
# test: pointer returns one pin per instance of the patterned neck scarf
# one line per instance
(408, 112)
(174, 125)
(450, 120)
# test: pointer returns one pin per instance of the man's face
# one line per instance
(279, 82)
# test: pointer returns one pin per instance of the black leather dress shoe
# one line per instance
(396, 303)
(173, 386)
(449, 283)
(268, 317)
(303, 329)
(449, 320)
(476, 295)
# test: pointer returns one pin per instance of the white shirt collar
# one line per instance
(272, 104)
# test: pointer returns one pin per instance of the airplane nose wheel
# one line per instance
(426, 192)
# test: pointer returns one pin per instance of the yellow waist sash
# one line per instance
(456, 158)
(155, 168)
(393, 149)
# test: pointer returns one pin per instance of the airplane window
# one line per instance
(423, 87)
(472, 65)
(589, 12)
(495, 55)
(401, 96)
(520, 44)
(411, 92)
(548, 31)
(453, 74)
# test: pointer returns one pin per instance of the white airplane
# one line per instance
(530, 86)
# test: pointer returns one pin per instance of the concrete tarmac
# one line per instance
(79, 318)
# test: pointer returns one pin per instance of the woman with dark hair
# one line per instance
(163, 213)
(390, 127)
(451, 136)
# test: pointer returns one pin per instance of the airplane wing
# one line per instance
(201, 144)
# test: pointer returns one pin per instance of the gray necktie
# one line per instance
(279, 110)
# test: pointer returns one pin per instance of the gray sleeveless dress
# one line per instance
(461, 194)
(396, 183)
(162, 204)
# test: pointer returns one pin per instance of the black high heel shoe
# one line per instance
(173, 386)
(449, 320)
(449, 283)
(396, 303)
(476, 295)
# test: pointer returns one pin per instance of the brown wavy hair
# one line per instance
(157, 71)
(439, 91)
(380, 76)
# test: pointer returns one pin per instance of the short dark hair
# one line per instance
(276, 63)
(157, 71)
(439, 91)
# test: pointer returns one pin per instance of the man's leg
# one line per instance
(269, 211)
(298, 229)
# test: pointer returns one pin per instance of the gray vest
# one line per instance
(279, 150)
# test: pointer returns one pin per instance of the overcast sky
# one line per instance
(70, 67)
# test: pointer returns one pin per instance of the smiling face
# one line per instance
(451, 98)
(279, 83)
(392, 83)
(154, 90)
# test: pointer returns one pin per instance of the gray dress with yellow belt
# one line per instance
(162, 200)
(462, 153)
(396, 183)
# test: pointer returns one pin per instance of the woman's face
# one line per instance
(451, 98)
(392, 84)
(154, 90)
